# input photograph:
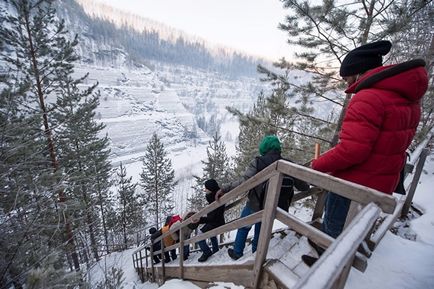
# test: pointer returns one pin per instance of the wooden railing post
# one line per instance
(317, 150)
(268, 216)
(152, 260)
(163, 262)
(147, 264)
(142, 278)
(181, 253)
(319, 205)
(414, 182)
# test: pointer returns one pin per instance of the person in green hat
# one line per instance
(270, 151)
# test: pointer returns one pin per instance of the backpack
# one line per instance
(286, 191)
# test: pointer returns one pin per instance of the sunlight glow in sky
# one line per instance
(246, 25)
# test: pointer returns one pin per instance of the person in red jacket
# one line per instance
(378, 126)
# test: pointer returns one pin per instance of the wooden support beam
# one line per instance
(239, 223)
(355, 192)
(386, 224)
(330, 267)
(319, 205)
(268, 217)
(414, 182)
(240, 274)
(304, 194)
(163, 266)
(181, 253)
(152, 262)
(317, 236)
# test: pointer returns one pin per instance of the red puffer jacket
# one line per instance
(378, 127)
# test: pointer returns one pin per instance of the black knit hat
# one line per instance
(152, 230)
(212, 185)
(364, 58)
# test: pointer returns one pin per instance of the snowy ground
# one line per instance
(397, 263)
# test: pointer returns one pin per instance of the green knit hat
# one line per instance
(269, 143)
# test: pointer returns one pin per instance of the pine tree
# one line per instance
(157, 181)
(84, 155)
(216, 166)
(37, 54)
(130, 209)
(417, 41)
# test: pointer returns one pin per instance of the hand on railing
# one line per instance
(219, 194)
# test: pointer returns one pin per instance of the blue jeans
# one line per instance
(186, 251)
(240, 239)
(335, 213)
(206, 249)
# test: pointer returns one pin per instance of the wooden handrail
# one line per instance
(273, 174)
(242, 222)
(352, 191)
(257, 179)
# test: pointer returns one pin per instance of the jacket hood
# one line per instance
(269, 143)
(408, 79)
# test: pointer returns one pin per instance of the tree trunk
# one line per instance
(51, 147)
(104, 225)
(369, 20)
(335, 138)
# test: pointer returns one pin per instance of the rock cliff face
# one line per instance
(161, 88)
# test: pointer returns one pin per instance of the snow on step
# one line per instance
(281, 272)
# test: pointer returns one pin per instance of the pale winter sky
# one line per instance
(247, 25)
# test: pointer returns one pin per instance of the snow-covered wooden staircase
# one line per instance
(283, 267)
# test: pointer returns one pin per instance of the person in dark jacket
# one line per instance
(212, 220)
(270, 151)
(155, 246)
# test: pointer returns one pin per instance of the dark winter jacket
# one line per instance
(256, 196)
(214, 218)
(378, 126)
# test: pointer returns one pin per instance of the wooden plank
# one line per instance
(319, 206)
(304, 194)
(240, 274)
(146, 263)
(200, 284)
(141, 272)
(163, 264)
(268, 217)
(181, 253)
(326, 271)
(414, 182)
(355, 192)
(152, 261)
(239, 223)
(317, 236)
(386, 224)
(281, 274)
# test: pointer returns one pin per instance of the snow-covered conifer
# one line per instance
(157, 181)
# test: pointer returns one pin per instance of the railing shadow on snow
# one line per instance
(344, 252)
